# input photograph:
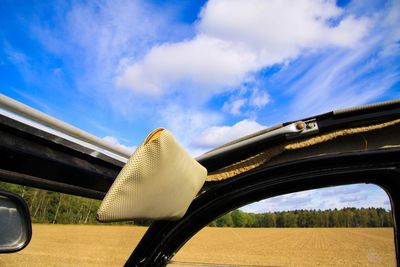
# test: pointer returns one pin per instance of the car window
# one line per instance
(65, 232)
(348, 225)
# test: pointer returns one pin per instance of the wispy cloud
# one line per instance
(236, 39)
(357, 195)
(343, 190)
(34, 101)
(341, 79)
(186, 124)
(247, 101)
(353, 199)
(146, 69)
(113, 140)
(19, 59)
(218, 135)
(121, 68)
(95, 38)
(234, 42)
(234, 106)
(345, 77)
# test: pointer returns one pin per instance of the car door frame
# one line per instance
(380, 167)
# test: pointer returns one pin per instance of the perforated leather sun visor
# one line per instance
(159, 181)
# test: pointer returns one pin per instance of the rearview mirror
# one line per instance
(15, 223)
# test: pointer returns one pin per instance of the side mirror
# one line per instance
(15, 223)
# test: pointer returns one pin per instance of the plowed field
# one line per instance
(71, 245)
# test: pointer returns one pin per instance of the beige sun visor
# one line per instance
(158, 182)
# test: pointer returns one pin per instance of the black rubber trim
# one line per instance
(32, 181)
(66, 170)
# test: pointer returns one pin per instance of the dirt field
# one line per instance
(292, 247)
(69, 245)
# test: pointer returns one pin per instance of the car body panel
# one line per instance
(33, 156)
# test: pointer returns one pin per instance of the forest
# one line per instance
(346, 217)
(56, 208)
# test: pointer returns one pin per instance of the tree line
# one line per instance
(346, 217)
(52, 207)
(56, 208)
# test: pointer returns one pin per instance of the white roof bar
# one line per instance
(25, 111)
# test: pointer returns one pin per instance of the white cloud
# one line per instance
(218, 135)
(246, 101)
(234, 40)
(356, 195)
(340, 79)
(115, 141)
(343, 190)
(15, 56)
(259, 99)
(34, 101)
(234, 106)
(20, 60)
(391, 28)
(278, 28)
(207, 63)
(355, 198)
(128, 44)
(93, 37)
(186, 123)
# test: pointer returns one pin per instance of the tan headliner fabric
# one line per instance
(265, 156)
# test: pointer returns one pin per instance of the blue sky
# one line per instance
(356, 195)
(210, 71)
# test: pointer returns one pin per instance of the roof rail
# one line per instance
(32, 114)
